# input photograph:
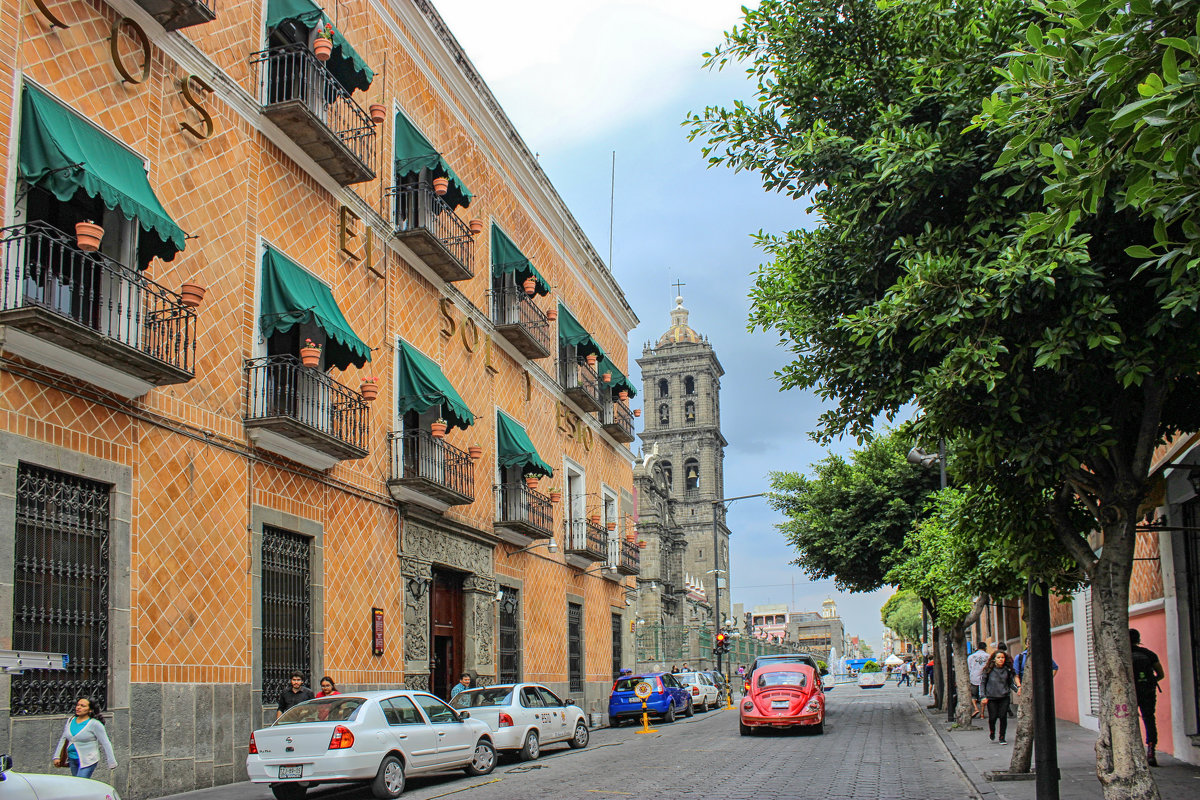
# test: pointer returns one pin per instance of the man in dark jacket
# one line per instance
(1147, 672)
(295, 694)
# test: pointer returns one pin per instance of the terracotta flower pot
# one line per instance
(88, 236)
(191, 294)
(594, 519)
(441, 186)
(438, 429)
(623, 395)
(378, 113)
(476, 226)
(637, 412)
(591, 360)
(612, 526)
(529, 285)
(531, 481)
(551, 314)
(369, 390)
(475, 452)
(629, 537)
(642, 544)
(323, 48)
(555, 496)
(606, 377)
(310, 356)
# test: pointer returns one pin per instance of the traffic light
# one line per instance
(722, 643)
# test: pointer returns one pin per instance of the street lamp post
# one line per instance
(717, 569)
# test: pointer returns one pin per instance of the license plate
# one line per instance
(775, 704)
(291, 771)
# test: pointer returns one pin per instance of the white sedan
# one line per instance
(34, 786)
(378, 738)
(705, 694)
(525, 716)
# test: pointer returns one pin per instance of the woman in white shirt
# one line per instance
(82, 738)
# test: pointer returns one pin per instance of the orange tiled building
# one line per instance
(303, 365)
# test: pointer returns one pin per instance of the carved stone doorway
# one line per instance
(446, 631)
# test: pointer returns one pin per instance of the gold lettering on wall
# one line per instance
(470, 335)
(54, 21)
(487, 357)
(569, 423)
(190, 97)
(138, 35)
(449, 326)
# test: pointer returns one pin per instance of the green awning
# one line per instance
(515, 448)
(421, 385)
(291, 295)
(506, 258)
(571, 332)
(63, 153)
(414, 153)
(345, 64)
(619, 381)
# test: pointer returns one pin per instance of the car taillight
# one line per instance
(658, 686)
(814, 705)
(505, 720)
(696, 691)
(748, 704)
(341, 739)
(253, 746)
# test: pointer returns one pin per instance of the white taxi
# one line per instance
(378, 738)
(705, 694)
(525, 716)
(35, 786)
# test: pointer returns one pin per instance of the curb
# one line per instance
(975, 792)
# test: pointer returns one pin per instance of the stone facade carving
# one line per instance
(416, 609)
(418, 683)
(441, 547)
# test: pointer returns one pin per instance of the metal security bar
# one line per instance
(291, 73)
(516, 502)
(631, 557)
(60, 589)
(574, 647)
(280, 386)
(509, 656)
(417, 205)
(417, 454)
(576, 373)
(511, 306)
(43, 268)
(585, 537)
(286, 610)
(617, 414)
(618, 657)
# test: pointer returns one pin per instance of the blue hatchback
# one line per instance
(667, 698)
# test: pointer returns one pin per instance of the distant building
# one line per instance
(818, 633)
(769, 622)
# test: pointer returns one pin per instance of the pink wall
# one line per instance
(1066, 687)
(1153, 628)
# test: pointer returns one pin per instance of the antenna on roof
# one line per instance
(612, 194)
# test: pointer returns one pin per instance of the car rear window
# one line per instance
(477, 698)
(325, 709)
(782, 679)
(627, 684)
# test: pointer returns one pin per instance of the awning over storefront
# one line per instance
(63, 153)
(414, 153)
(516, 450)
(290, 294)
(421, 385)
(572, 333)
(619, 381)
(345, 64)
(506, 258)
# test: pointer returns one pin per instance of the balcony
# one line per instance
(431, 229)
(518, 319)
(303, 414)
(617, 421)
(524, 512)
(429, 472)
(581, 383)
(308, 104)
(630, 558)
(86, 315)
(585, 541)
(176, 14)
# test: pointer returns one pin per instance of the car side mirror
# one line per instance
(464, 715)
(568, 702)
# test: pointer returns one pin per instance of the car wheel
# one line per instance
(669, 717)
(289, 791)
(389, 781)
(690, 710)
(581, 737)
(532, 748)
(614, 722)
(745, 730)
(819, 728)
(483, 761)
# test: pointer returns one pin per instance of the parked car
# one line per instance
(704, 692)
(667, 698)
(378, 738)
(783, 658)
(525, 716)
(720, 681)
(783, 695)
(34, 786)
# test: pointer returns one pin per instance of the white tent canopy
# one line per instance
(893, 660)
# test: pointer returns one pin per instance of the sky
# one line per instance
(581, 80)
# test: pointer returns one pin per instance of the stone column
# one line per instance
(417, 577)
(479, 617)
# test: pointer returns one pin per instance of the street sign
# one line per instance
(643, 690)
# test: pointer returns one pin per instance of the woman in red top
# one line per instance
(327, 687)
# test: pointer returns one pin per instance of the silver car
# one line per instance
(34, 786)
(525, 716)
(377, 738)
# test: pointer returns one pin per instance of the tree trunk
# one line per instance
(936, 691)
(1022, 753)
(962, 676)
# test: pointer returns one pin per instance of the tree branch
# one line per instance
(1066, 534)
(981, 603)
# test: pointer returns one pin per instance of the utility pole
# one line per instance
(720, 502)
(1045, 744)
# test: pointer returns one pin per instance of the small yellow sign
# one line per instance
(643, 690)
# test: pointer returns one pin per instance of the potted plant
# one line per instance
(551, 314)
(369, 388)
(606, 377)
(591, 360)
(441, 186)
(475, 452)
(871, 676)
(531, 481)
(637, 412)
(641, 544)
(323, 43)
(529, 285)
(611, 525)
(594, 517)
(623, 395)
(438, 429)
(476, 226)
(378, 112)
(310, 353)
(555, 494)
(630, 536)
(88, 235)
(191, 294)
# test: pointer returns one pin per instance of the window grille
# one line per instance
(510, 636)
(575, 646)
(60, 589)
(286, 610)
(616, 644)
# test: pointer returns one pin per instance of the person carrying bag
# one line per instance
(82, 739)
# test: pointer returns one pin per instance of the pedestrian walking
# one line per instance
(82, 739)
(1147, 672)
(328, 687)
(464, 682)
(997, 682)
(295, 693)
(975, 664)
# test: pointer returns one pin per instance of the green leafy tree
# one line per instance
(902, 613)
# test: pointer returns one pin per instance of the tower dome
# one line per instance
(680, 331)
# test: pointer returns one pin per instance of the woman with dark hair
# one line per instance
(995, 689)
(328, 688)
(82, 738)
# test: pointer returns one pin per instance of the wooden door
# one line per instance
(445, 619)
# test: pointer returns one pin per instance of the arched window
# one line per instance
(691, 475)
(664, 388)
(664, 415)
(689, 412)
(689, 385)
(666, 473)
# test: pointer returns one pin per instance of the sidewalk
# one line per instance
(975, 755)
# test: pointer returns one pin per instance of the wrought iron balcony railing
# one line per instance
(617, 420)
(305, 405)
(518, 319)
(432, 230)
(631, 558)
(308, 103)
(586, 538)
(580, 381)
(176, 14)
(432, 467)
(88, 303)
(524, 510)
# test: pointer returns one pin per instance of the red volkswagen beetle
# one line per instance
(783, 696)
